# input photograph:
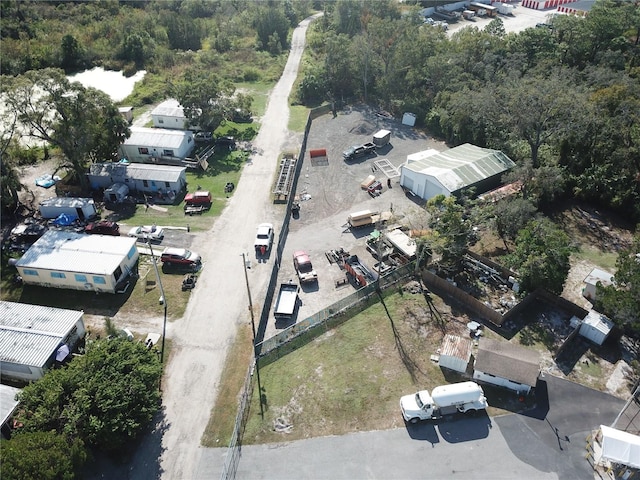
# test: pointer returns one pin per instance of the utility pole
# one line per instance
(163, 299)
(253, 328)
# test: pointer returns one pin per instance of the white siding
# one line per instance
(501, 382)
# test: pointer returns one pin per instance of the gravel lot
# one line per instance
(333, 191)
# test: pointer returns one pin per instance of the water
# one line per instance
(113, 83)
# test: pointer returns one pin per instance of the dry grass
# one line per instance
(223, 416)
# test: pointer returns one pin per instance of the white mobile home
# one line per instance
(430, 173)
(31, 337)
(157, 145)
(138, 177)
(97, 263)
(169, 114)
(82, 208)
(506, 365)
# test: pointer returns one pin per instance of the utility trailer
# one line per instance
(286, 302)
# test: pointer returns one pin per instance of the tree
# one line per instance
(207, 100)
(536, 108)
(511, 215)
(105, 398)
(71, 53)
(621, 301)
(270, 21)
(541, 256)
(451, 238)
(83, 122)
(42, 455)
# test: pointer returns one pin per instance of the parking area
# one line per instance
(329, 190)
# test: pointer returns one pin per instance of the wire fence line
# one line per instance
(301, 333)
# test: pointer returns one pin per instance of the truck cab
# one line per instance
(357, 151)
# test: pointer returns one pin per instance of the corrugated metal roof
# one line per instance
(38, 318)
(598, 322)
(157, 137)
(461, 166)
(77, 252)
(66, 202)
(27, 348)
(138, 171)
(30, 334)
(163, 173)
(169, 108)
(454, 346)
(8, 402)
(505, 360)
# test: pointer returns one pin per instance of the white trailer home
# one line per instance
(506, 365)
(33, 337)
(170, 114)
(82, 208)
(157, 145)
(97, 263)
(138, 177)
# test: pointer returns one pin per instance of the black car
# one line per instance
(229, 142)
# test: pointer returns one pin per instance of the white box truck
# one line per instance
(446, 399)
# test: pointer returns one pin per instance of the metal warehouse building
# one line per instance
(430, 173)
(98, 263)
(32, 337)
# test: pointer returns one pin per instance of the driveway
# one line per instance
(476, 448)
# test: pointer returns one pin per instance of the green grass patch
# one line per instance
(605, 260)
(259, 92)
(298, 116)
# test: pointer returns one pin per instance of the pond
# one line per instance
(111, 82)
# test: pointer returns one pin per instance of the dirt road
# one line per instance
(201, 339)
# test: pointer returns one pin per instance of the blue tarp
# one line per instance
(64, 220)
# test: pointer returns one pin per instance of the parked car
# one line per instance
(144, 232)
(304, 268)
(203, 137)
(241, 116)
(264, 238)
(103, 227)
(199, 197)
(180, 256)
(227, 141)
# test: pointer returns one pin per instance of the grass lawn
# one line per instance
(348, 379)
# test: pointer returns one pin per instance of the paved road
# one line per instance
(478, 448)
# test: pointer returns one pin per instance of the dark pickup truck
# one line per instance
(359, 151)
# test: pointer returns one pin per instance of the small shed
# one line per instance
(31, 336)
(455, 353)
(82, 208)
(318, 157)
(596, 327)
(591, 281)
(409, 119)
(116, 193)
(127, 113)
(506, 365)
